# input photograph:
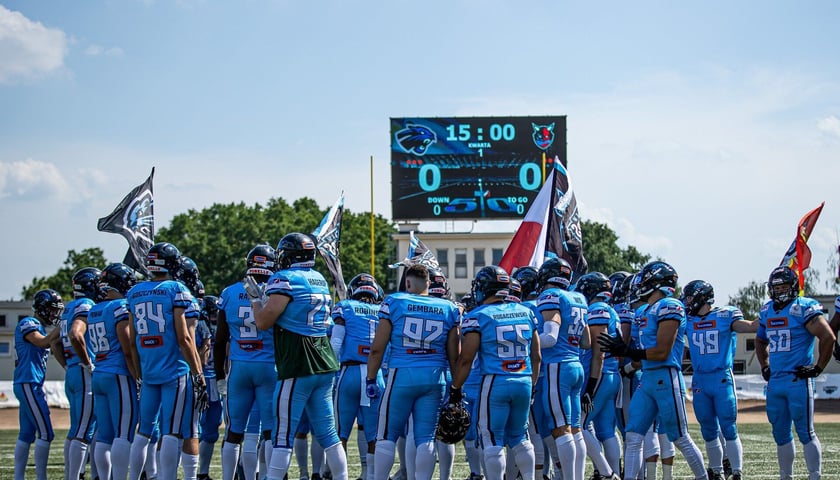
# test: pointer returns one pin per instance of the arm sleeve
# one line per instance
(551, 330)
(337, 339)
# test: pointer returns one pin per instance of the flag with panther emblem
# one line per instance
(134, 219)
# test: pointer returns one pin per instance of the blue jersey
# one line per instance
(30, 361)
(308, 311)
(193, 311)
(639, 319)
(601, 314)
(790, 344)
(152, 304)
(247, 342)
(420, 326)
(360, 322)
(625, 313)
(573, 311)
(506, 331)
(102, 335)
(711, 341)
(666, 309)
(76, 308)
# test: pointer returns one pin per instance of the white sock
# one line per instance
(302, 456)
(612, 452)
(189, 463)
(650, 471)
(523, 454)
(66, 455)
(511, 470)
(337, 460)
(785, 454)
(714, 451)
(553, 457)
(170, 452)
(735, 453)
(317, 453)
(91, 456)
(249, 454)
(383, 459)
(371, 461)
(152, 461)
(593, 450)
(120, 458)
(230, 459)
(668, 471)
(265, 457)
(446, 458)
(400, 444)
(75, 462)
(494, 461)
(633, 456)
(539, 455)
(102, 459)
(692, 455)
(565, 454)
(280, 459)
(473, 457)
(21, 459)
(361, 444)
(424, 467)
(580, 455)
(205, 456)
(139, 449)
(410, 456)
(42, 457)
(813, 457)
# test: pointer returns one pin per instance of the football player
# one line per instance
(712, 338)
(423, 335)
(661, 393)
(252, 375)
(503, 334)
(165, 353)
(787, 327)
(210, 419)
(296, 305)
(114, 380)
(32, 343)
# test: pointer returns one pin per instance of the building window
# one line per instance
(497, 255)
(5, 349)
(2, 320)
(443, 260)
(478, 259)
(460, 263)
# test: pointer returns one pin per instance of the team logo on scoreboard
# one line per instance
(417, 139)
(543, 135)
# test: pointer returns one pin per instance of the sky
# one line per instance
(701, 132)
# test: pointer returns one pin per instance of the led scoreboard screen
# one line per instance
(471, 167)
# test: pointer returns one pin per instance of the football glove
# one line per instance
(765, 374)
(807, 371)
(371, 388)
(200, 400)
(614, 346)
(588, 398)
(455, 395)
(255, 291)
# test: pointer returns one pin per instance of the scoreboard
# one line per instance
(471, 167)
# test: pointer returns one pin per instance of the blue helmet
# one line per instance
(163, 257)
(117, 276)
(86, 283)
(490, 281)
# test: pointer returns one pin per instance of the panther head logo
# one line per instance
(415, 138)
(543, 135)
(139, 218)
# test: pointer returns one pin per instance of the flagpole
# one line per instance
(543, 166)
(372, 250)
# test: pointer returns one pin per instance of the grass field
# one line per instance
(759, 455)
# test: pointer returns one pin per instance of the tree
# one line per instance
(603, 253)
(219, 237)
(61, 281)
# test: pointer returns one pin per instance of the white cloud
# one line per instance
(27, 48)
(32, 178)
(830, 125)
(94, 50)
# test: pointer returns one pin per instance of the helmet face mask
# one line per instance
(453, 423)
(438, 286)
(48, 306)
(782, 286)
(657, 276)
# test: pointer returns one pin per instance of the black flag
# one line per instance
(134, 219)
(418, 253)
(328, 238)
(564, 237)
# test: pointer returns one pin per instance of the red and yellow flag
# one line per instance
(798, 255)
